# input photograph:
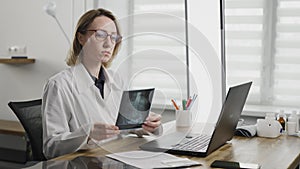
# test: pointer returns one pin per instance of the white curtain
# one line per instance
(263, 46)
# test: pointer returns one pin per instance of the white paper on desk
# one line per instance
(146, 159)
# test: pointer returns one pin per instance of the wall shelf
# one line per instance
(17, 61)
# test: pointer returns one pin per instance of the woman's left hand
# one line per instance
(153, 121)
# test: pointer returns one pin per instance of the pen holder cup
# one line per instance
(183, 118)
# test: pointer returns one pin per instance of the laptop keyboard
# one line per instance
(197, 144)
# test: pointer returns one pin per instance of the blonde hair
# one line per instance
(82, 25)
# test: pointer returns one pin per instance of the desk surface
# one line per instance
(279, 153)
(11, 127)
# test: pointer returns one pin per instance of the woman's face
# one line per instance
(99, 41)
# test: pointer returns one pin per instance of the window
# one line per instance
(158, 52)
(263, 45)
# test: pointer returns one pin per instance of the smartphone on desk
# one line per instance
(233, 165)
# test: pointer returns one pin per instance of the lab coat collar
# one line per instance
(110, 82)
(84, 81)
(82, 78)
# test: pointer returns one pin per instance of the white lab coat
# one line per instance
(71, 104)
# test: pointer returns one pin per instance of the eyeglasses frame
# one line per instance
(115, 42)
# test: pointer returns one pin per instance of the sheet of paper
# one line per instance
(146, 159)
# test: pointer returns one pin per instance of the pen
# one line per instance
(175, 105)
(188, 102)
(192, 101)
(195, 96)
(184, 105)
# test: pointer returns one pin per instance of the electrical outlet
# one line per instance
(17, 50)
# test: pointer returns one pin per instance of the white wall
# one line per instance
(205, 58)
(25, 23)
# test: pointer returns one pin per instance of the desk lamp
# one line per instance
(50, 10)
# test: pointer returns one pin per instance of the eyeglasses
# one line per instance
(101, 35)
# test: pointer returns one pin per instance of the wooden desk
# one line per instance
(11, 127)
(279, 153)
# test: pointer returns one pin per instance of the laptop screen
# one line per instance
(230, 115)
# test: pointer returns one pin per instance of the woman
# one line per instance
(80, 104)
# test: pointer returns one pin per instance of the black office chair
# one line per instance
(30, 116)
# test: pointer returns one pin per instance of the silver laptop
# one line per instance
(201, 144)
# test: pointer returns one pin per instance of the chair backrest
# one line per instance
(30, 116)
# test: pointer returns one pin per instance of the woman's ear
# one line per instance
(81, 38)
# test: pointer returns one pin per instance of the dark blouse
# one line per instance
(99, 82)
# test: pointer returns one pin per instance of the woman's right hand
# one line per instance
(102, 131)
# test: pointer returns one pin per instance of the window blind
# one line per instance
(287, 54)
(263, 45)
(158, 54)
(244, 20)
